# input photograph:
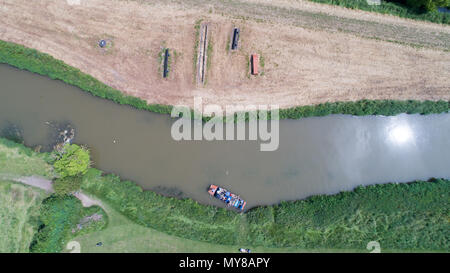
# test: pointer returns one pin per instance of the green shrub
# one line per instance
(57, 215)
(430, 5)
(59, 218)
(367, 107)
(413, 9)
(74, 160)
(67, 185)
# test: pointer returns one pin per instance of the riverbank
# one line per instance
(393, 214)
(402, 217)
(122, 235)
(33, 219)
(312, 57)
(44, 64)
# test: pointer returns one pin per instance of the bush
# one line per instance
(430, 5)
(75, 160)
(67, 185)
(367, 107)
(57, 215)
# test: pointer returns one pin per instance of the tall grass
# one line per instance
(185, 218)
(44, 64)
(18, 160)
(392, 8)
(367, 107)
(19, 211)
(399, 216)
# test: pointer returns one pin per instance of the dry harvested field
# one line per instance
(311, 53)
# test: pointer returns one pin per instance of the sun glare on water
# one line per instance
(401, 134)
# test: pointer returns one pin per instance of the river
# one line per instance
(318, 155)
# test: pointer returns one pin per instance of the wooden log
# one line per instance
(202, 54)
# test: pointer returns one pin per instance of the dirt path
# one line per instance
(46, 184)
(88, 201)
(312, 53)
(37, 182)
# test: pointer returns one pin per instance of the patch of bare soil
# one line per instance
(309, 55)
(86, 221)
(87, 201)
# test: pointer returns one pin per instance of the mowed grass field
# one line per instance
(19, 211)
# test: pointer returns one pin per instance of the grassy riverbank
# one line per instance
(124, 235)
(401, 217)
(18, 160)
(391, 8)
(31, 219)
(44, 64)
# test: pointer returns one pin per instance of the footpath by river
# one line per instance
(46, 184)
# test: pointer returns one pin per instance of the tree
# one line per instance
(58, 214)
(75, 160)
